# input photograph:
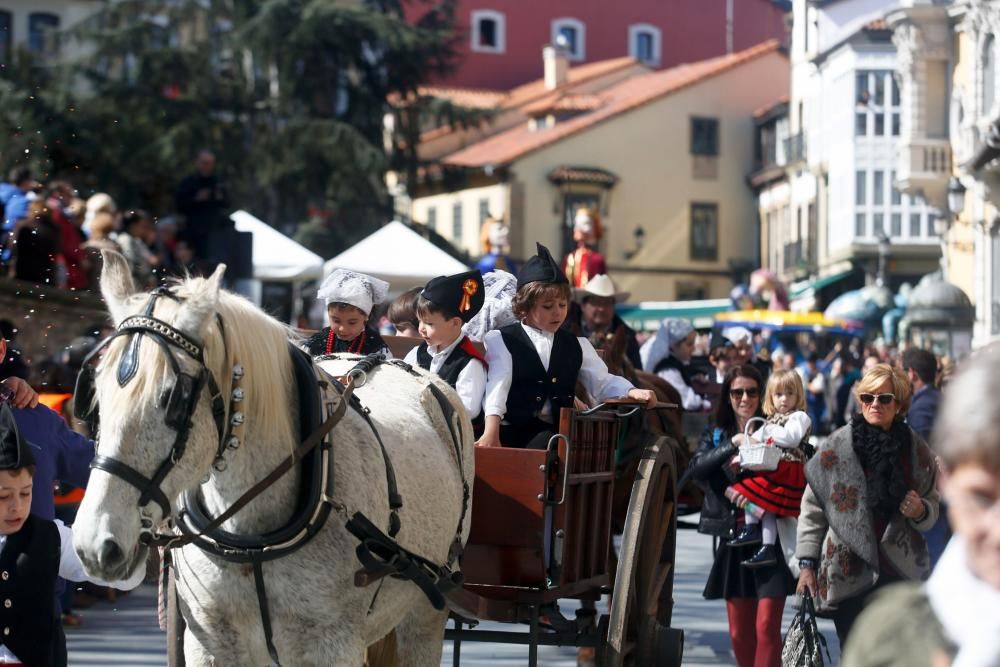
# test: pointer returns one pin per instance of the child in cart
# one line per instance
(444, 306)
(533, 365)
(33, 553)
(766, 495)
(349, 297)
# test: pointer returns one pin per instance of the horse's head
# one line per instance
(159, 425)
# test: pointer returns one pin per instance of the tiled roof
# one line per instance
(634, 92)
(763, 111)
(473, 98)
(564, 103)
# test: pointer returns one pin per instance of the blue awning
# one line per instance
(647, 315)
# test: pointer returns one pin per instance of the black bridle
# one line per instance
(178, 402)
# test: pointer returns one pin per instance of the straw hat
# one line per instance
(601, 285)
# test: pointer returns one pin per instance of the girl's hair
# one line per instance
(528, 295)
(725, 416)
(876, 376)
(339, 305)
(785, 381)
(403, 309)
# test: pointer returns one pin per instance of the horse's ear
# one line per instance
(116, 283)
(195, 311)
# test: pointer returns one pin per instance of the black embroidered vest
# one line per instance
(531, 385)
(29, 620)
(325, 341)
(452, 366)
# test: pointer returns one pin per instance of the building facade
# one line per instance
(846, 112)
(34, 24)
(663, 155)
(501, 39)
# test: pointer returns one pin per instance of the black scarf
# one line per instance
(880, 454)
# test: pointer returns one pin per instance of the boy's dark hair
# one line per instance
(427, 307)
(31, 468)
(403, 309)
(921, 362)
(528, 295)
(134, 216)
(725, 416)
(19, 174)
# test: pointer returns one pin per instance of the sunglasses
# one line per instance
(739, 393)
(884, 399)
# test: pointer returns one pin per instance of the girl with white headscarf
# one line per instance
(668, 354)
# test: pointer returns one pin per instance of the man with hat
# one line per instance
(594, 316)
(34, 551)
(445, 304)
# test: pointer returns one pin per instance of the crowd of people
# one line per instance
(52, 236)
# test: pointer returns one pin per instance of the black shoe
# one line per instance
(766, 556)
(749, 536)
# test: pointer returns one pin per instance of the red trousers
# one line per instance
(755, 630)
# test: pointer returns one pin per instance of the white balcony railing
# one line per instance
(923, 166)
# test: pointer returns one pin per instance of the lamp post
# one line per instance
(884, 250)
(956, 203)
(639, 235)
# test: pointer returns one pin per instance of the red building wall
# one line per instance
(691, 30)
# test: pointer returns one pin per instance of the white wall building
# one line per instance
(34, 24)
(846, 117)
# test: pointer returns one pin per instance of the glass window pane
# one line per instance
(432, 217)
(860, 124)
(860, 225)
(897, 224)
(644, 47)
(879, 89)
(877, 224)
(484, 210)
(895, 92)
(41, 32)
(879, 189)
(895, 124)
(704, 136)
(879, 124)
(915, 225)
(860, 195)
(456, 221)
(861, 94)
(897, 197)
(488, 33)
(569, 32)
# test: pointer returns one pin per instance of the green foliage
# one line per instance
(291, 95)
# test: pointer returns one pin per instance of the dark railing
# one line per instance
(795, 148)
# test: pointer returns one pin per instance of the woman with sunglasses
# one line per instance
(755, 598)
(870, 495)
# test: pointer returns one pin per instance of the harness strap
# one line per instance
(382, 556)
(265, 612)
(146, 488)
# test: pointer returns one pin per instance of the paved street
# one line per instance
(125, 633)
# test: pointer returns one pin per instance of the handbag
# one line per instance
(804, 644)
(758, 455)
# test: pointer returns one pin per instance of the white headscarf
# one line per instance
(496, 312)
(350, 287)
(672, 330)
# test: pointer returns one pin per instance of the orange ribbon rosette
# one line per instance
(469, 288)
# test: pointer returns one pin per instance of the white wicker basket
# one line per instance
(758, 455)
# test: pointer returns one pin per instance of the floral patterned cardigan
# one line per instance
(836, 527)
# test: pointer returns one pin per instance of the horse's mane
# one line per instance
(255, 340)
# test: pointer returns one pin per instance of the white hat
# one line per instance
(353, 288)
(601, 285)
(736, 335)
(658, 347)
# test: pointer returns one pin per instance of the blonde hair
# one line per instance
(877, 375)
(785, 381)
(102, 225)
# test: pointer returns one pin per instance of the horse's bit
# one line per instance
(178, 402)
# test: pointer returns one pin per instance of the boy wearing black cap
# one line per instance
(444, 305)
(534, 365)
(33, 552)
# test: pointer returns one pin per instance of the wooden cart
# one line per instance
(542, 531)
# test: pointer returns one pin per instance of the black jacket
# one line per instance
(531, 384)
(718, 515)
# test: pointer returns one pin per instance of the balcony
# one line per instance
(924, 166)
(795, 148)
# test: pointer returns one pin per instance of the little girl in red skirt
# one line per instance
(770, 494)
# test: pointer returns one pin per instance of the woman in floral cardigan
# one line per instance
(871, 493)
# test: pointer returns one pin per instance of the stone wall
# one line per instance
(47, 318)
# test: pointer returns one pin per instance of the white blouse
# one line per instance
(594, 375)
(471, 382)
(788, 436)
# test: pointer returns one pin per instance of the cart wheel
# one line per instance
(638, 626)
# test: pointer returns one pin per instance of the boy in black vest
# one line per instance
(444, 305)
(33, 552)
(350, 297)
(534, 365)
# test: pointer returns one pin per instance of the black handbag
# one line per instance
(804, 644)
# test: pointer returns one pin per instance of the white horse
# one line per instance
(319, 616)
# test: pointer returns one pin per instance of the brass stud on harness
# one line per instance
(237, 419)
(238, 395)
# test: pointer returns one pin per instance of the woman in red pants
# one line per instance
(755, 598)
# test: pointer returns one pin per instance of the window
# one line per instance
(41, 33)
(644, 43)
(456, 221)
(704, 136)
(860, 224)
(432, 218)
(877, 103)
(6, 23)
(879, 225)
(860, 193)
(860, 124)
(574, 32)
(705, 231)
(897, 225)
(897, 197)
(989, 74)
(484, 210)
(879, 188)
(915, 225)
(488, 32)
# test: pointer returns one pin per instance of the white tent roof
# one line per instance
(398, 255)
(275, 256)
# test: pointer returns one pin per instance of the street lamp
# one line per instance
(639, 235)
(956, 203)
(956, 196)
(884, 250)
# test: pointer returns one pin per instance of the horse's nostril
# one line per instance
(111, 553)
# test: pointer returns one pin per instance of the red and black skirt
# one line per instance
(779, 491)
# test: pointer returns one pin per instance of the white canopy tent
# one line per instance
(398, 255)
(277, 258)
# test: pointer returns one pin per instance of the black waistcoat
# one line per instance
(670, 361)
(531, 385)
(322, 342)
(29, 566)
(452, 366)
